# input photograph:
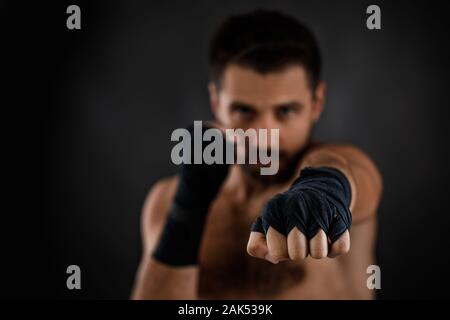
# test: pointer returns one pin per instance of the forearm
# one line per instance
(361, 173)
(156, 281)
(169, 268)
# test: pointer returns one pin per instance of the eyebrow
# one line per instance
(238, 104)
(292, 104)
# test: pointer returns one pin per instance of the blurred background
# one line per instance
(92, 111)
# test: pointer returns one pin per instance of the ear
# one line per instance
(319, 101)
(213, 97)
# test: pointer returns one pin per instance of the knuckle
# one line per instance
(276, 257)
(341, 247)
(318, 253)
(345, 247)
(279, 255)
(254, 248)
(297, 254)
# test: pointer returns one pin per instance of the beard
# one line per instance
(288, 164)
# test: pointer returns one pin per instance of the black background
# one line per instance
(87, 117)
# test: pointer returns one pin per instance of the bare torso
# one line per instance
(226, 271)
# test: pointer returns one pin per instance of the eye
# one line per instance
(243, 111)
(286, 111)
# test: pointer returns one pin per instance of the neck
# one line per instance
(246, 185)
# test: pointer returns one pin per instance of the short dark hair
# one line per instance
(265, 41)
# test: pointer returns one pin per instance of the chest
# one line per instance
(225, 267)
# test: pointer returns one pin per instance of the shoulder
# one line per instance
(352, 155)
(159, 196)
(342, 148)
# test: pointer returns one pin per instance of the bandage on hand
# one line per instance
(312, 217)
(198, 186)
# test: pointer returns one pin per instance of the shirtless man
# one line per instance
(212, 232)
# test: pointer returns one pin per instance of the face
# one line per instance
(280, 100)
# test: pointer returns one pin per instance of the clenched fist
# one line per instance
(312, 217)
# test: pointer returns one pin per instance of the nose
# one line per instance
(267, 137)
(267, 121)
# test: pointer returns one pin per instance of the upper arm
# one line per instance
(368, 185)
(155, 210)
(368, 181)
(354, 264)
(155, 280)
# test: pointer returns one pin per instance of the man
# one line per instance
(228, 232)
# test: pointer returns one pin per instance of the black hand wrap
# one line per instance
(198, 185)
(318, 199)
